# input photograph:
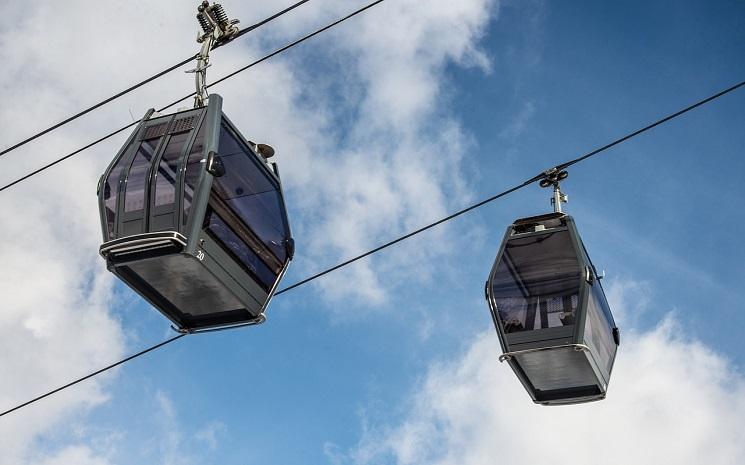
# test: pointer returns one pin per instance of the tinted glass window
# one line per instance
(251, 194)
(229, 240)
(536, 282)
(598, 331)
(165, 180)
(111, 193)
(134, 196)
(193, 170)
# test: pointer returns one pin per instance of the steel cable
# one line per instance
(240, 70)
(413, 233)
(143, 82)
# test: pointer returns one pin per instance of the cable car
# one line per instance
(549, 309)
(194, 219)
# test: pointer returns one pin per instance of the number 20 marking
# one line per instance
(200, 255)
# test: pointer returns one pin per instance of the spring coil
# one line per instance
(219, 14)
(204, 22)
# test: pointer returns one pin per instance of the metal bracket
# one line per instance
(553, 177)
(260, 319)
(507, 356)
(217, 29)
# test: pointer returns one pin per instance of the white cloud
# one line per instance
(671, 400)
(169, 437)
(56, 322)
(519, 123)
(173, 440)
(629, 299)
(210, 433)
(78, 455)
(393, 164)
(400, 163)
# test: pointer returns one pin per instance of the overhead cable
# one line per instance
(145, 81)
(91, 375)
(240, 70)
(417, 231)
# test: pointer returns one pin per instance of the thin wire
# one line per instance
(250, 65)
(412, 233)
(387, 244)
(133, 356)
(303, 39)
(143, 82)
(71, 154)
(262, 22)
(650, 126)
(143, 352)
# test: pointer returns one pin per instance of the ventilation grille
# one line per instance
(156, 131)
(184, 124)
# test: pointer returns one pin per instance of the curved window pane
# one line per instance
(111, 193)
(536, 283)
(598, 331)
(263, 213)
(251, 194)
(229, 240)
(134, 197)
(165, 181)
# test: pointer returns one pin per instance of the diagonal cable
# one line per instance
(412, 233)
(91, 375)
(250, 65)
(143, 82)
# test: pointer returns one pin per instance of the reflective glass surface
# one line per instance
(165, 180)
(134, 196)
(536, 282)
(251, 194)
(229, 240)
(598, 331)
(110, 194)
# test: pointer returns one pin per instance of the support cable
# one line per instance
(113, 365)
(250, 65)
(145, 81)
(525, 183)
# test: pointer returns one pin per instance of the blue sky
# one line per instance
(405, 114)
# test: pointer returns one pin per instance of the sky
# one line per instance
(386, 123)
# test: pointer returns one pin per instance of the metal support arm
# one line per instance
(217, 29)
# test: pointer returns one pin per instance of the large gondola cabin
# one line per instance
(550, 312)
(194, 220)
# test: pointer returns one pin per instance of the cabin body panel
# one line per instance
(550, 312)
(202, 237)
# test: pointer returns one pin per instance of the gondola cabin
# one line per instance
(553, 321)
(194, 220)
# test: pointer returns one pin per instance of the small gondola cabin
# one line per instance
(194, 220)
(551, 315)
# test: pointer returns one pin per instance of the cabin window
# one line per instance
(251, 194)
(111, 194)
(598, 331)
(536, 283)
(228, 238)
(165, 177)
(134, 197)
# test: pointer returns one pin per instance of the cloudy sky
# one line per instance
(390, 121)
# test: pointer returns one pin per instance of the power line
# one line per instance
(143, 82)
(250, 65)
(420, 230)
